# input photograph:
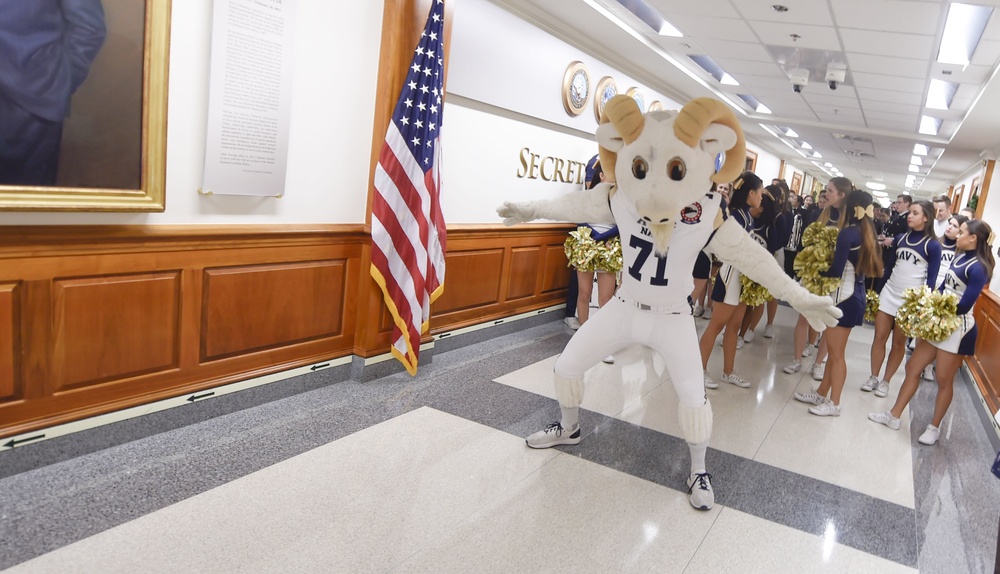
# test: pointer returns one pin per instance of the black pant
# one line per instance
(572, 293)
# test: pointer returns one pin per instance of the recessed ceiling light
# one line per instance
(915, 168)
(920, 149)
(929, 126)
(962, 32)
(915, 160)
(875, 186)
(805, 145)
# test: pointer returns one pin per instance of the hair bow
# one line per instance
(989, 240)
(738, 183)
(861, 212)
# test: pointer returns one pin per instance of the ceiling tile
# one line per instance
(702, 8)
(887, 43)
(814, 37)
(890, 96)
(987, 52)
(894, 83)
(814, 12)
(704, 26)
(887, 66)
(881, 106)
(888, 15)
(721, 49)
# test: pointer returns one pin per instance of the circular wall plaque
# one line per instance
(655, 106)
(636, 95)
(576, 88)
(606, 89)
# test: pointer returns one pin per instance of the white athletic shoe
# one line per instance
(885, 418)
(818, 370)
(794, 367)
(710, 382)
(827, 409)
(882, 390)
(610, 359)
(735, 379)
(698, 311)
(870, 384)
(811, 398)
(809, 350)
(553, 435)
(701, 495)
(769, 331)
(572, 323)
(929, 373)
(707, 314)
(748, 336)
(739, 343)
(930, 436)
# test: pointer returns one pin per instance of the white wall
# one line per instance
(333, 106)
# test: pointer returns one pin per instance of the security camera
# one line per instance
(799, 78)
(835, 74)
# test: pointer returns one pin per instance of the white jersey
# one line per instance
(910, 269)
(646, 277)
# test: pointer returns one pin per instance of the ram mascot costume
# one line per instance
(662, 164)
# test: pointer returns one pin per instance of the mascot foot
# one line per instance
(701, 495)
(553, 435)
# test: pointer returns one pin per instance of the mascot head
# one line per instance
(664, 161)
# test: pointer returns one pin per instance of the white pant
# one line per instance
(619, 324)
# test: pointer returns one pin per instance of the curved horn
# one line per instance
(624, 114)
(696, 116)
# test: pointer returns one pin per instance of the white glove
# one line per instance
(819, 311)
(513, 213)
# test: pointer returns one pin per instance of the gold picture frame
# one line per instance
(637, 95)
(604, 91)
(149, 194)
(655, 106)
(751, 161)
(575, 88)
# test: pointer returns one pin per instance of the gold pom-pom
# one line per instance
(585, 254)
(929, 315)
(753, 293)
(871, 305)
(819, 242)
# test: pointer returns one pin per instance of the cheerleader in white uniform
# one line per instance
(916, 262)
(969, 274)
(947, 256)
(747, 192)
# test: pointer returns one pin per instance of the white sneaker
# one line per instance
(811, 398)
(553, 435)
(707, 314)
(734, 379)
(809, 350)
(826, 409)
(739, 343)
(698, 311)
(870, 384)
(572, 323)
(930, 436)
(882, 390)
(793, 368)
(748, 336)
(818, 370)
(885, 418)
(700, 493)
(929, 373)
(610, 359)
(710, 382)
(769, 331)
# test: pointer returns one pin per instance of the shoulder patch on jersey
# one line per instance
(691, 214)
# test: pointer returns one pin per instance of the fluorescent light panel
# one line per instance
(805, 145)
(714, 70)
(929, 126)
(754, 103)
(940, 94)
(915, 160)
(920, 149)
(962, 32)
(915, 168)
(875, 186)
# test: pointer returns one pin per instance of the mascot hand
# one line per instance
(819, 311)
(513, 213)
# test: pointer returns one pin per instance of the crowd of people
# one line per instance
(878, 250)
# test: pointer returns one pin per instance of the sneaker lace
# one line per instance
(554, 428)
(701, 480)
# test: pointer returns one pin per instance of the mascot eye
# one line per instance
(639, 168)
(676, 169)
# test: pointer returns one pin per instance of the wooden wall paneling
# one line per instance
(472, 279)
(115, 327)
(556, 272)
(249, 308)
(523, 276)
(985, 364)
(36, 336)
(10, 341)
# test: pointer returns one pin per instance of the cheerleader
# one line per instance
(916, 262)
(770, 229)
(947, 256)
(747, 192)
(856, 256)
(968, 275)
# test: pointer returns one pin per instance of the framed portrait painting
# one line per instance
(751, 163)
(84, 129)
(796, 184)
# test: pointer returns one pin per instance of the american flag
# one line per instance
(408, 230)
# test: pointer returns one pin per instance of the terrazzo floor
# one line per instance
(431, 474)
